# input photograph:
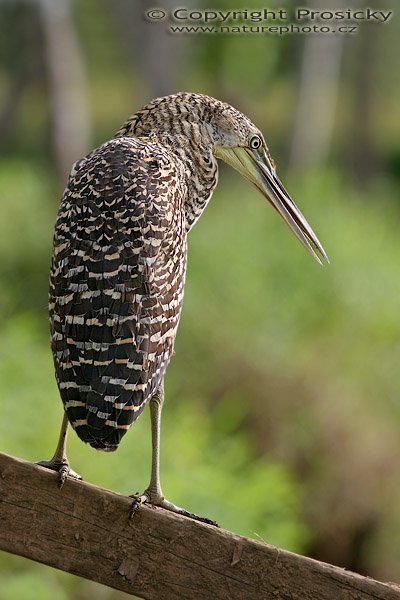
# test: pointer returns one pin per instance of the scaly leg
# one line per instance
(59, 462)
(153, 494)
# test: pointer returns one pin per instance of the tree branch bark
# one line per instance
(86, 530)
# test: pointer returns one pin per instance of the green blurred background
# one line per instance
(282, 414)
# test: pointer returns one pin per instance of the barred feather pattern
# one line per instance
(182, 122)
(116, 284)
(119, 259)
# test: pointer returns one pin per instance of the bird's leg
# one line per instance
(59, 462)
(153, 493)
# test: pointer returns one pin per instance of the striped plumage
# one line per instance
(118, 270)
(119, 260)
(116, 284)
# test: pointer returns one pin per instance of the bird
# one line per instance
(119, 263)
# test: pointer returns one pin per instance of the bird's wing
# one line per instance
(118, 235)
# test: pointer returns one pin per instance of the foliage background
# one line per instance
(282, 414)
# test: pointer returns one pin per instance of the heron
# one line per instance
(119, 262)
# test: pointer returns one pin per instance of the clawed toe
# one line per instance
(62, 468)
(158, 500)
(195, 517)
(138, 500)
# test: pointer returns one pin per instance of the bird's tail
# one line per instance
(97, 423)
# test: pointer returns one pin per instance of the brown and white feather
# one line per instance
(119, 261)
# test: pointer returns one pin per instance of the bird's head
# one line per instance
(238, 142)
(201, 127)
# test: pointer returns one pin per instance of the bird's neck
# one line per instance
(201, 171)
(185, 141)
(199, 166)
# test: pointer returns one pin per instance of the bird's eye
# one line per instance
(255, 142)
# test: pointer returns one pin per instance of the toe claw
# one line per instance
(195, 517)
(133, 509)
(63, 472)
(157, 499)
(138, 500)
(62, 468)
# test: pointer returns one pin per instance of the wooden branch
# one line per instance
(86, 530)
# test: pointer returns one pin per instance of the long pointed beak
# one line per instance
(256, 166)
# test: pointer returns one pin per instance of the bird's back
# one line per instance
(116, 284)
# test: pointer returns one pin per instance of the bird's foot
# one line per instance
(156, 499)
(62, 468)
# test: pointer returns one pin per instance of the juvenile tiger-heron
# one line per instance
(119, 261)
